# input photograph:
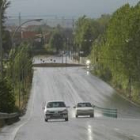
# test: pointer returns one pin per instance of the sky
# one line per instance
(66, 8)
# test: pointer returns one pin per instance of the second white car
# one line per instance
(84, 109)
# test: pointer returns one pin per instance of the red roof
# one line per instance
(28, 34)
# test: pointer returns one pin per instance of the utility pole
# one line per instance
(67, 49)
(73, 31)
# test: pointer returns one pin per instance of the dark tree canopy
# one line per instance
(7, 99)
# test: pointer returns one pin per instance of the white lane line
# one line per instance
(136, 136)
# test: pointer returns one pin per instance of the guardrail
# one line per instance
(107, 112)
(8, 116)
(8, 119)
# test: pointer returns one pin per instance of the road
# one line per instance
(74, 85)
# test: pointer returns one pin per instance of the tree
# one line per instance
(7, 99)
(7, 42)
(19, 72)
(118, 50)
(5, 4)
(57, 41)
(88, 30)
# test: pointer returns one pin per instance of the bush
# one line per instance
(7, 99)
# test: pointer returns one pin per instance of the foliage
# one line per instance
(4, 4)
(5, 34)
(19, 71)
(7, 98)
(22, 63)
(57, 41)
(87, 31)
(7, 42)
(117, 51)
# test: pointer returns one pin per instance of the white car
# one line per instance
(56, 110)
(84, 109)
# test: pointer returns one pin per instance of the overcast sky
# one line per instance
(71, 8)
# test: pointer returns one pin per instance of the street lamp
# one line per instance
(37, 20)
(13, 35)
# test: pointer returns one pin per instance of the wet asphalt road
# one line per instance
(74, 85)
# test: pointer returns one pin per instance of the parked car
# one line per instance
(56, 110)
(84, 109)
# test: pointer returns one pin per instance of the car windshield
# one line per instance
(55, 104)
(84, 105)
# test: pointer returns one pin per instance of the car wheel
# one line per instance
(66, 119)
(76, 116)
(46, 120)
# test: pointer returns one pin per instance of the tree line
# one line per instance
(15, 79)
(112, 43)
(61, 39)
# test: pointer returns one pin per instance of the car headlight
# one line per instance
(65, 111)
(47, 111)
